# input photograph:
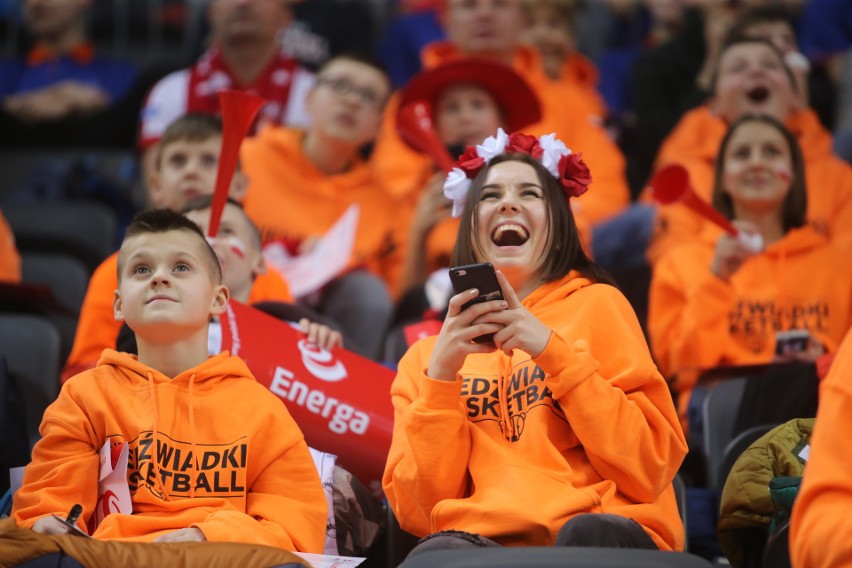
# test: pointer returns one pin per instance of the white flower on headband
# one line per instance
(555, 156)
(455, 189)
(554, 149)
(492, 145)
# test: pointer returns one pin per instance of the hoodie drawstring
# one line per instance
(154, 443)
(192, 434)
(506, 424)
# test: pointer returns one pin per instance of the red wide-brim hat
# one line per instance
(518, 103)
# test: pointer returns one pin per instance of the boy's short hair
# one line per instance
(757, 16)
(164, 220)
(194, 127)
(201, 202)
(569, 10)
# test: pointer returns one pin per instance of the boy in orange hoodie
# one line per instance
(213, 455)
(186, 165)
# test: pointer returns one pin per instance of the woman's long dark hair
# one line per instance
(565, 252)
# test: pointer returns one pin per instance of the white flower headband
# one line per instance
(565, 166)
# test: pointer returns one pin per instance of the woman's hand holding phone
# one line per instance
(455, 340)
(520, 329)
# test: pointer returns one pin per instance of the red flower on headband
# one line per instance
(470, 162)
(520, 143)
(574, 175)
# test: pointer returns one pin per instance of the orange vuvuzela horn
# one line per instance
(238, 111)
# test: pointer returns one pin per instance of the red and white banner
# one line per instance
(340, 400)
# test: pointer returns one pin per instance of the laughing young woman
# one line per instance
(561, 431)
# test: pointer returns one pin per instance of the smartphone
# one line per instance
(482, 277)
(792, 341)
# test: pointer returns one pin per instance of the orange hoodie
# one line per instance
(97, 328)
(695, 142)
(820, 532)
(10, 260)
(210, 448)
(697, 321)
(289, 198)
(517, 446)
(565, 111)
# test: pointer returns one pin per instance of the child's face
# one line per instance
(549, 32)
(237, 248)
(751, 78)
(757, 167)
(466, 114)
(166, 287)
(347, 101)
(188, 169)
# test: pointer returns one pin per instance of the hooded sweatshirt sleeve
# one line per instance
(618, 404)
(64, 466)
(688, 313)
(431, 443)
(820, 532)
(285, 502)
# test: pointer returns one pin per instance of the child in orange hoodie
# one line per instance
(715, 301)
(213, 455)
(186, 165)
(558, 431)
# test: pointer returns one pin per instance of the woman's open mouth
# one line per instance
(758, 94)
(509, 235)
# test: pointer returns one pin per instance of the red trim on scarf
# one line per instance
(210, 75)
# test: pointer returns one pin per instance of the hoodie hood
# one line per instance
(206, 375)
(526, 58)
(552, 292)
(795, 242)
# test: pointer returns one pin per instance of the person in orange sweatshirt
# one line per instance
(752, 77)
(717, 301)
(492, 30)
(186, 165)
(550, 27)
(10, 259)
(213, 455)
(303, 182)
(558, 430)
(820, 533)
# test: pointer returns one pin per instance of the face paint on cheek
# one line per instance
(783, 173)
(237, 247)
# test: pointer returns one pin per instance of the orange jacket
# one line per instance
(697, 321)
(565, 111)
(210, 448)
(517, 446)
(580, 71)
(97, 328)
(820, 534)
(694, 143)
(290, 198)
(10, 260)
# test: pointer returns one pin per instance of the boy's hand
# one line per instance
(50, 525)
(320, 335)
(191, 534)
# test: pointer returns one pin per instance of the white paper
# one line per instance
(325, 561)
(329, 257)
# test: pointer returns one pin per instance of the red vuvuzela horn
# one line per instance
(671, 185)
(238, 111)
(414, 124)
